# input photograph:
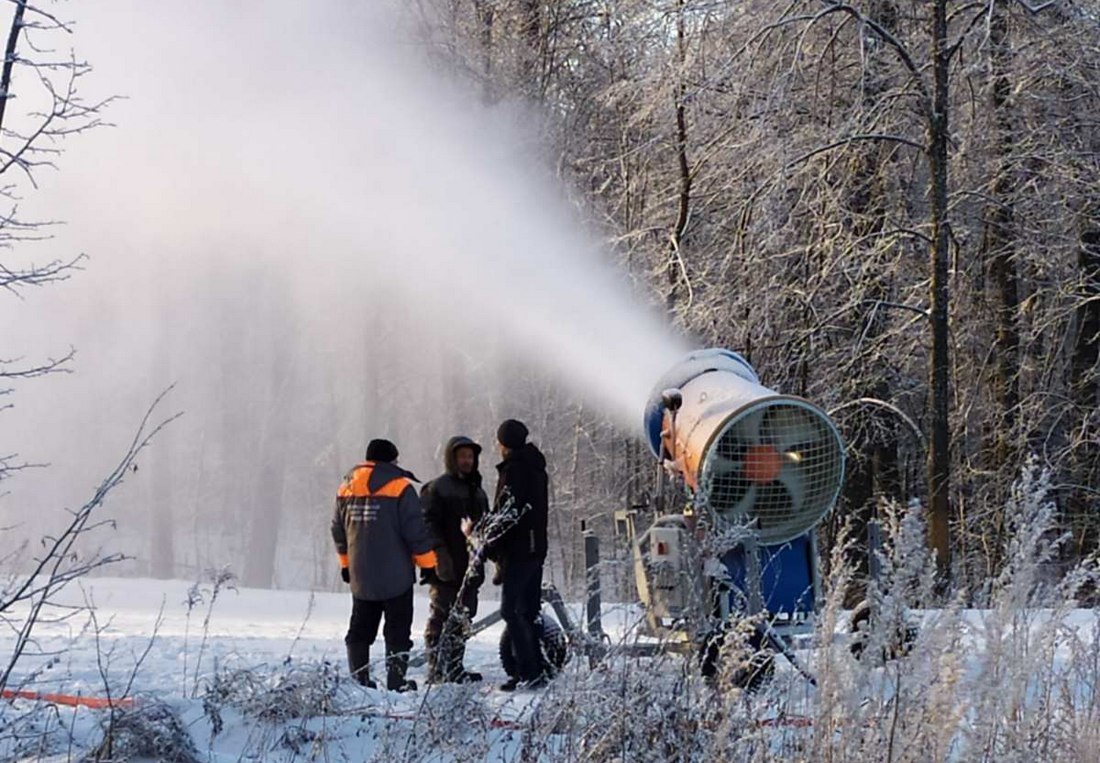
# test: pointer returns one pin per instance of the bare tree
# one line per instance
(30, 140)
(28, 597)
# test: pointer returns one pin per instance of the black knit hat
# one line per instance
(381, 450)
(512, 434)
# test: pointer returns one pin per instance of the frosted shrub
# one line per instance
(1014, 681)
(1006, 682)
(274, 694)
(31, 730)
(1034, 656)
(149, 731)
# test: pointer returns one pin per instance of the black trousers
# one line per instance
(366, 616)
(520, 602)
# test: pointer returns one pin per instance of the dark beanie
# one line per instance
(381, 450)
(512, 434)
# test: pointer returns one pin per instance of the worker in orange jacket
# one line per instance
(380, 535)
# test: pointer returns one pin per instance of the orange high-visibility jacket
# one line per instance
(380, 531)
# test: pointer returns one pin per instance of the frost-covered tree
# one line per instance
(883, 201)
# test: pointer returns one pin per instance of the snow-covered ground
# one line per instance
(246, 627)
(143, 640)
(261, 675)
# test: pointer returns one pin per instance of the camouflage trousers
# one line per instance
(447, 630)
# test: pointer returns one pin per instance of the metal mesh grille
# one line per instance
(776, 467)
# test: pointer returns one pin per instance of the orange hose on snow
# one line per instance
(72, 700)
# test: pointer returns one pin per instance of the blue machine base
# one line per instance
(786, 577)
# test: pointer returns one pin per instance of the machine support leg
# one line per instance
(594, 620)
(780, 645)
(752, 577)
(551, 596)
(874, 544)
(488, 621)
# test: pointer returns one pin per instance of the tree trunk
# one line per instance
(1000, 250)
(259, 564)
(266, 477)
(939, 451)
(1086, 348)
(873, 472)
(531, 32)
(676, 254)
(9, 56)
(162, 557)
(483, 11)
(162, 492)
(1084, 388)
(266, 500)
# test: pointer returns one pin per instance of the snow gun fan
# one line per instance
(772, 463)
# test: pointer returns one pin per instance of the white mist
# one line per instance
(290, 161)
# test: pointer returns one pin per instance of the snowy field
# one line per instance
(260, 675)
(247, 627)
(144, 641)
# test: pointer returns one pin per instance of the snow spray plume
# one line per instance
(321, 243)
(299, 142)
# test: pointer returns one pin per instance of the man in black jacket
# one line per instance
(448, 500)
(521, 550)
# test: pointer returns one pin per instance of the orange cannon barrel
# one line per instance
(750, 456)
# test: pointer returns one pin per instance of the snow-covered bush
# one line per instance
(1009, 681)
(150, 730)
(30, 730)
(274, 694)
(1014, 680)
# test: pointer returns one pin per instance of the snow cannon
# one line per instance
(763, 469)
(752, 457)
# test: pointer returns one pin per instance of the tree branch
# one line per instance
(852, 139)
(59, 564)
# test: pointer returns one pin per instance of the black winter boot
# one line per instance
(459, 674)
(396, 667)
(435, 668)
(359, 664)
(445, 660)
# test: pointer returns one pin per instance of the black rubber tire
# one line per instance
(552, 647)
(750, 677)
(858, 626)
(899, 645)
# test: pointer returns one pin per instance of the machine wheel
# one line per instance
(552, 647)
(860, 626)
(753, 672)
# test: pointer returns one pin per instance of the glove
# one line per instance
(345, 575)
(476, 574)
(444, 567)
